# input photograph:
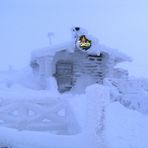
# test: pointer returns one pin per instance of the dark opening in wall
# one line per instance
(64, 75)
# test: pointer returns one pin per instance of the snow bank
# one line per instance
(125, 128)
(16, 139)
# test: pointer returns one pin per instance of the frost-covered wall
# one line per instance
(84, 67)
(42, 65)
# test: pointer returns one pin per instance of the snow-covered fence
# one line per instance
(54, 114)
(45, 114)
(129, 85)
(132, 93)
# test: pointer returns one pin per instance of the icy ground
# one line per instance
(93, 120)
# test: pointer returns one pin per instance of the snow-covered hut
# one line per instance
(80, 63)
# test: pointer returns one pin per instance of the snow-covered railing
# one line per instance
(132, 93)
(45, 114)
(129, 85)
(34, 114)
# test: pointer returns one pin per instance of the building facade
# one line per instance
(78, 64)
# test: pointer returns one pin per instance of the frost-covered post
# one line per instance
(9, 82)
(48, 66)
(97, 98)
(42, 78)
(50, 35)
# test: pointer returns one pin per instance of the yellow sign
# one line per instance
(84, 43)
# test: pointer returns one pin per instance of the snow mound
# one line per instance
(125, 128)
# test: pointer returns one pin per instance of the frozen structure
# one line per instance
(88, 119)
(78, 62)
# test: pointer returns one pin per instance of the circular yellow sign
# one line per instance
(84, 43)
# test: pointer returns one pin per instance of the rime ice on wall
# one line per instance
(132, 93)
(70, 63)
(71, 68)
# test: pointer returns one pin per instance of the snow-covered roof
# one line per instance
(116, 54)
(51, 51)
(96, 49)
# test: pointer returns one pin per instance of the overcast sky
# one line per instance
(121, 24)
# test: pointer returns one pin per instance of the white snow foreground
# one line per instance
(125, 128)
(28, 117)
(83, 123)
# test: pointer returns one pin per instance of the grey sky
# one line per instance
(24, 25)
